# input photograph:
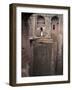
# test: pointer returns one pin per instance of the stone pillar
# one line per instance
(33, 25)
(30, 28)
(48, 26)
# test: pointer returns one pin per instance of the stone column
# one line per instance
(48, 26)
(33, 24)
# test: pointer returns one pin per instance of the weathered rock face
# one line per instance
(42, 44)
(42, 53)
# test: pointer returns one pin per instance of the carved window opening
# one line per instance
(40, 20)
(54, 21)
(53, 27)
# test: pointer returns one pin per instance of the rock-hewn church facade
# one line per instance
(42, 44)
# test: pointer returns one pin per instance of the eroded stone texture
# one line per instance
(42, 44)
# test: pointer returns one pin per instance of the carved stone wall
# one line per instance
(42, 55)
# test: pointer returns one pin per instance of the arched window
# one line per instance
(40, 20)
(40, 26)
(54, 21)
(55, 18)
